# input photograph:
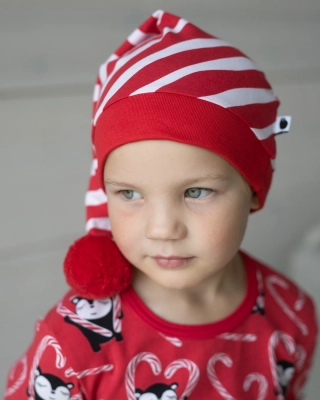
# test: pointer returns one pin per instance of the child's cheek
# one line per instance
(226, 222)
(125, 233)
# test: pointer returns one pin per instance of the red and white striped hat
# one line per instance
(172, 81)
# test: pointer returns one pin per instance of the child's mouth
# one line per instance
(172, 261)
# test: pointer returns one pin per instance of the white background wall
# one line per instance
(49, 55)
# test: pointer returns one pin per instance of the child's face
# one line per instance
(172, 200)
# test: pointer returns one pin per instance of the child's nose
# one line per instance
(165, 223)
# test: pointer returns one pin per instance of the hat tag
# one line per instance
(282, 124)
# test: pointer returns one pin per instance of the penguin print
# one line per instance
(285, 371)
(260, 304)
(158, 391)
(50, 387)
(97, 321)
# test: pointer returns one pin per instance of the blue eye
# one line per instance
(131, 194)
(197, 193)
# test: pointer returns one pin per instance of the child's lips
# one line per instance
(172, 261)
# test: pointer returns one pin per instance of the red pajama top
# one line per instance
(117, 349)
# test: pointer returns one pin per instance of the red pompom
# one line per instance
(95, 267)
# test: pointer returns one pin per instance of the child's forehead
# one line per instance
(167, 158)
(170, 149)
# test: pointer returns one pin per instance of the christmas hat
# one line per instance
(171, 81)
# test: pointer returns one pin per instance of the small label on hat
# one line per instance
(282, 124)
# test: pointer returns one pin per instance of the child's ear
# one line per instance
(255, 202)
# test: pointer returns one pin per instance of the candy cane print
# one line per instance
(298, 385)
(301, 355)
(260, 281)
(263, 384)
(300, 302)
(290, 346)
(213, 376)
(47, 341)
(38, 324)
(77, 396)
(194, 375)
(64, 311)
(154, 363)
(23, 361)
(238, 337)
(12, 389)
(275, 280)
(117, 323)
(175, 341)
(87, 372)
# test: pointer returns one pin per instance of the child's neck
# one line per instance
(208, 302)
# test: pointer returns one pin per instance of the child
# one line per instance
(168, 307)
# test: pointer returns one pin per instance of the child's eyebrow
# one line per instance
(186, 182)
(215, 177)
(118, 183)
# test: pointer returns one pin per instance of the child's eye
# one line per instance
(198, 193)
(131, 194)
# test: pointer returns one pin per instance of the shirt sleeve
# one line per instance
(44, 369)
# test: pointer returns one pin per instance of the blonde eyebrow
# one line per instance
(215, 177)
(190, 181)
(118, 183)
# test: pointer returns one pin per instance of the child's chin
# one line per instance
(181, 284)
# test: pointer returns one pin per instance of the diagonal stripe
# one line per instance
(103, 71)
(102, 223)
(241, 97)
(224, 64)
(103, 67)
(264, 133)
(94, 167)
(124, 59)
(96, 92)
(158, 14)
(95, 197)
(192, 44)
(138, 36)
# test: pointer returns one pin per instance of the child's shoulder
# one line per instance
(275, 281)
(284, 299)
(54, 321)
(76, 322)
